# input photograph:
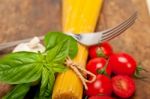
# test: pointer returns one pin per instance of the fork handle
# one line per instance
(14, 43)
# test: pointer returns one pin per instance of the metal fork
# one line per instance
(88, 39)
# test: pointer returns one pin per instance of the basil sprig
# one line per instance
(23, 68)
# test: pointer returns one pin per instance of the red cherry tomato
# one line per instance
(102, 50)
(102, 85)
(100, 97)
(123, 86)
(97, 64)
(123, 64)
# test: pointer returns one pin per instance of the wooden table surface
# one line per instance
(21, 19)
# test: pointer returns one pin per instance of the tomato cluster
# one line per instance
(114, 72)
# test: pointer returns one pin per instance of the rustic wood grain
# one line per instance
(25, 18)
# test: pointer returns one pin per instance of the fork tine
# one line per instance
(115, 32)
(119, 28)
(123, 23)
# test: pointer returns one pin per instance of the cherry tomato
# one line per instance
(100, 97)
(123, 64)
(123, 86)
(96, 64)
(102, 50)
(102, 85)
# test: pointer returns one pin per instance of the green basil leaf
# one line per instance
(18, 92)
(52, 39)
(73, 47)
(48, 79)
(58, 68)
(20, 67)
(56, 56)
(58, 53)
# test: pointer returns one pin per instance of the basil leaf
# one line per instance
(58, 53)
(52, 39)
(56, 56)
(18, 92)
(73, 47)
(48, 79)
(59, 68)
(20, 67)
